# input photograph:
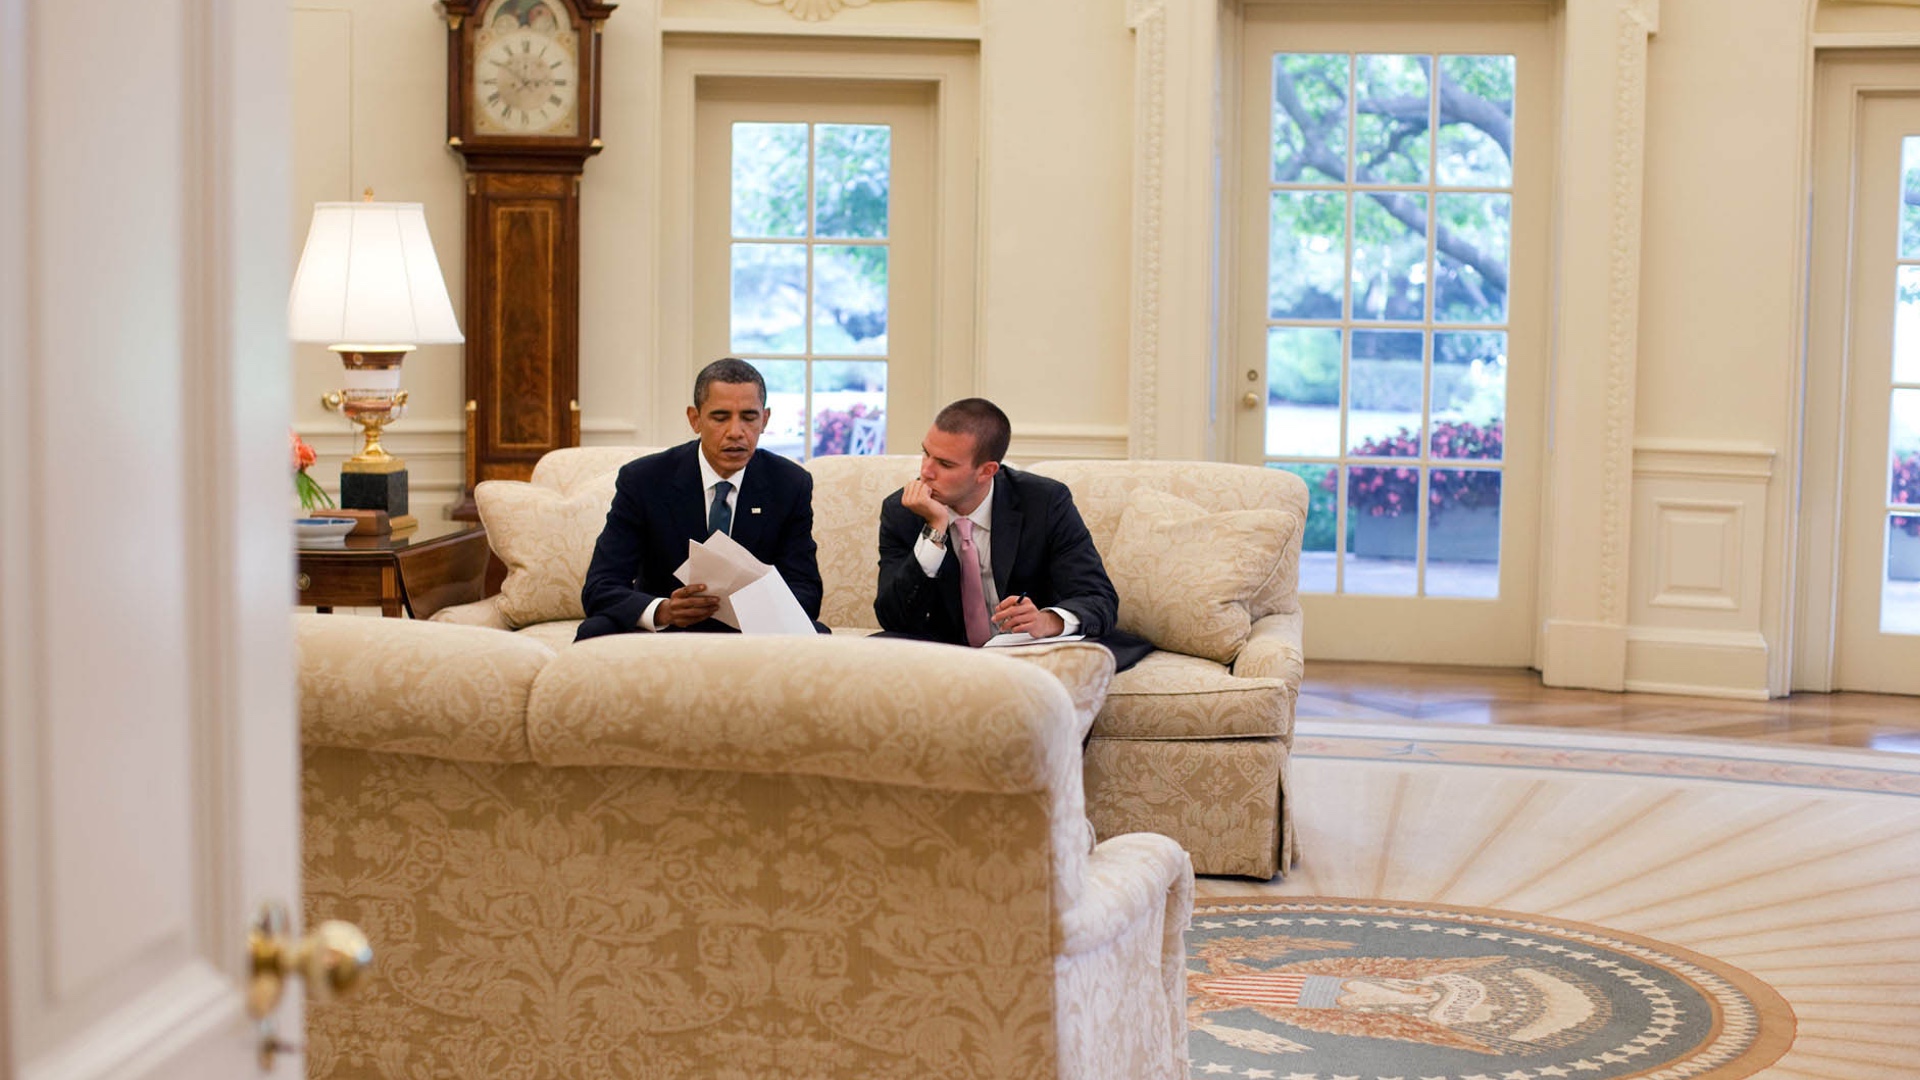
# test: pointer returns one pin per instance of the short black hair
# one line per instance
(727, 369)
(982, 419)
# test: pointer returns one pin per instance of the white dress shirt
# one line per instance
(930, 555)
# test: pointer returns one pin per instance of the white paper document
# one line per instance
(754, 598)
(1001, 641)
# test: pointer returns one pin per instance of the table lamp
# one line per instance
(369, 288)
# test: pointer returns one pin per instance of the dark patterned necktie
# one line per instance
(720, 515)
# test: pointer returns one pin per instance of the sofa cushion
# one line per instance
(1187, 578)
(405, 687)
(546, 540)
(1171, 696)
(565, 469)
(555, 634)
(847, 493)
(1101, 488)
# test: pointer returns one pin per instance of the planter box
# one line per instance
(1903, 556)
(1463, 536)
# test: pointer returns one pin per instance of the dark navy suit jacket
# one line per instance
(658, 505)
(1041, 547)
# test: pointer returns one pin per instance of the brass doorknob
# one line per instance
(1250, 400)
(331, 960)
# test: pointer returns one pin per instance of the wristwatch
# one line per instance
(938, 539)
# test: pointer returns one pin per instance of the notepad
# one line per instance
(1002, 641)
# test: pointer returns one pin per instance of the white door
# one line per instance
(1392, 326)
(1877, 639)
(813, 230)
(148, 753)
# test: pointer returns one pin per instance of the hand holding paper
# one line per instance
(754, 598)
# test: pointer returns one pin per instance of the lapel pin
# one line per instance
(754, 510)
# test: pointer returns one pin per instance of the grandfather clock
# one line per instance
(523, 109)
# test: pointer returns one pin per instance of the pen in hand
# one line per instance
(1018, 599)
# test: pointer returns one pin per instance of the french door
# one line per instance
(1392, 306)
(1877, 614)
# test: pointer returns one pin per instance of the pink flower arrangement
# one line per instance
(309, 491)
(1389, 490)
(1905, 491)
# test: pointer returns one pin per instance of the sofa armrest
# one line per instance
(479, 613)
(1120, 967)
(406, 687)
(1085, 669)
(1128, 876)
(1273, 650)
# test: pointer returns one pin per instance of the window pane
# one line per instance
(1307, 254)
(1469, 394)
(1386, 379)
(1390, 257)
(1910, 197)
(1318, 550)
(1470, 258)
(769, 179)
(849, 407)
(1383, 506)
(786, 432)
(1906, 324)
(1463, 533)
(1303, 391)
(1476, 121)
(1391, 103)
(1900, 590)
(1309, 117)
(769, 298)
(1903, 449)
(852, 173)
(850, 300)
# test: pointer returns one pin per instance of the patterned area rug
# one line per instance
(1315, 989)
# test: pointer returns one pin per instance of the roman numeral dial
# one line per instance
(526, 82)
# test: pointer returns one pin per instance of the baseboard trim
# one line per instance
(1699, 663)
(1583, 655)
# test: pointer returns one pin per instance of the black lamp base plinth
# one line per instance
(377, 491)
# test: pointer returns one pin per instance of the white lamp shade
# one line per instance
(368, 277)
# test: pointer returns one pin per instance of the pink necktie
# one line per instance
(973, 602)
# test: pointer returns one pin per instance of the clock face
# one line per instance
(526, 77)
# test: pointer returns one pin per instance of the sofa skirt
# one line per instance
(1224, 800)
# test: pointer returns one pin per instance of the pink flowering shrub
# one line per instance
(1391, 490)
(1906, 491)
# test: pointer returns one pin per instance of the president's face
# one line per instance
(729, 424)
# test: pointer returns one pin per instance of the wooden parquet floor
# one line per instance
(1457, 695)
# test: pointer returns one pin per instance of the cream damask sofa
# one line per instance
(726, 859)
(1192, 743)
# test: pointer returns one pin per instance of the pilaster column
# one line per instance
(1602, 170)
(1172, 407)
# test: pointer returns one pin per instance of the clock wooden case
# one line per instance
(523, 110)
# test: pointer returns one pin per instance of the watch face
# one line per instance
(526, 72)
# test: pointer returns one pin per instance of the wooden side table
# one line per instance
(439, 564)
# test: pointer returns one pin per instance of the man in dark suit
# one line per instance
(719, 482)
(971, 548)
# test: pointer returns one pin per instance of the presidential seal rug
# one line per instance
(1320, 989)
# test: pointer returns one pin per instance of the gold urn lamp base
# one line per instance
(373, 479)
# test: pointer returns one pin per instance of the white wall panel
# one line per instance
(1699, 544)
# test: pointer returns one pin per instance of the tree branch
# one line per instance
(1457, 103)
(1314, 152)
